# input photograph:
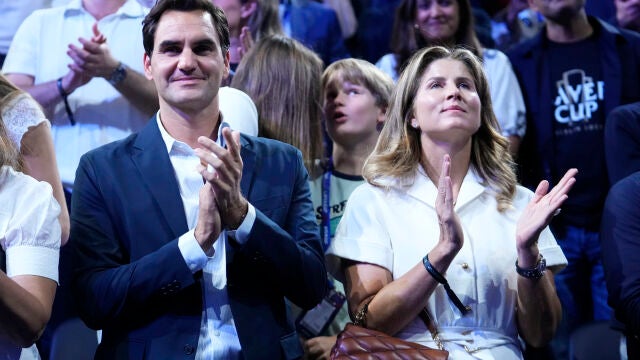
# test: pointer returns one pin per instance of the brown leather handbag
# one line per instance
(359, 343)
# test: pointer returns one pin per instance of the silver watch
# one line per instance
(118, 74)
(535, 272)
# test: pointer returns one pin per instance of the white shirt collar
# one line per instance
(170, 141)
(426, 191)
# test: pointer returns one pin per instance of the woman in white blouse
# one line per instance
(30, 132)
(30, 245)
(441, 205)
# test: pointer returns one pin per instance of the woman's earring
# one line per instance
(416, 26)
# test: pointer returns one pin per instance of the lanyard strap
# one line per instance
(326, 206)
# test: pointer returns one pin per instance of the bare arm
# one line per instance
(539, 310)
(25, 307)
(393, 304)
(47, 93)
(92, 60)
(40, 162)
(140, 91)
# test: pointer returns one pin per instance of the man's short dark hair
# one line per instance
(150, 22)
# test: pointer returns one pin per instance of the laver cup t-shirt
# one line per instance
(578, 117)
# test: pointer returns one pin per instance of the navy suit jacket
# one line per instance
(131, 280)
(620, 239)
(317, 27)
(622, 141)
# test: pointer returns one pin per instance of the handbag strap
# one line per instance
(424, 316)
(3, 260)
(360, 319)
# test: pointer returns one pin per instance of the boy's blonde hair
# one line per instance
(359, 72)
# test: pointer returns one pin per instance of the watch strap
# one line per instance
(535, 272)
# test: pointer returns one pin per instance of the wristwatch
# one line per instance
(535, 272)
(118, 74)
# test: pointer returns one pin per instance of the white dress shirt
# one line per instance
(218, 335)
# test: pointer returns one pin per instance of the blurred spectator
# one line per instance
(346, 16)
(315, 26)
(514, 24)
(628, 14)
(620, 234)
(569, 93)
(30, 133)
(421, 23)
(249, 21)
(13, 13)
(282, 76)
(622, 141)
(482, 26)
(375, 22)
(97, 93)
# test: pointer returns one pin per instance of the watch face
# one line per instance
(118, 75)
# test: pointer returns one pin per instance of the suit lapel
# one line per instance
(151, 159)
(248, 167)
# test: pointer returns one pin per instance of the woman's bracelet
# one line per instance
(64, 95)
(442, 280)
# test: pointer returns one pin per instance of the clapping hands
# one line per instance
(541, 209)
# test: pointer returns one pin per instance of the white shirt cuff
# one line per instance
(32, 260)
(241, 234)
(192, 253)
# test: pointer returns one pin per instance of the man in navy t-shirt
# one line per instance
(573, 73)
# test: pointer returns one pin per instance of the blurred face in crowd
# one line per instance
(351, 112)
(628, 14)
(437, 20)
(558, 11)
(447, 106)
(187, 64)
(237, 13)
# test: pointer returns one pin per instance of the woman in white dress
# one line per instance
(441, 205)
(423, 23)
(30, 132)
(30, 245)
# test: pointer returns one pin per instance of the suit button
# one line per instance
(188, 349)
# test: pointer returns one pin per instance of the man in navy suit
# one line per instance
(187, 236)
